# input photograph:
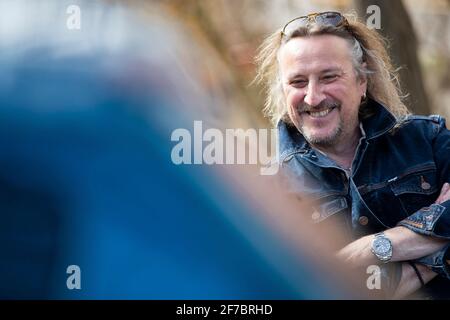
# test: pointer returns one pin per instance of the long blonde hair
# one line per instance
(367, 46)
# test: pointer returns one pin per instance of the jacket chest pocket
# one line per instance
(329, 208)
(416, 190)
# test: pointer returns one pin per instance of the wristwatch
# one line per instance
(382, 247)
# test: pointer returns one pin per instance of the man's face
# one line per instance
(322, 90)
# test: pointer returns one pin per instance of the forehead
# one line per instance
(310, 54)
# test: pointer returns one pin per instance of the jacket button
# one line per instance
(426, 186)
(363, 220)
(315, 215)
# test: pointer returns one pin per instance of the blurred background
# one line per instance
(86, 116)
(228, 32)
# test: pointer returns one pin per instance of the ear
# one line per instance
(363, 81)
(363, 78)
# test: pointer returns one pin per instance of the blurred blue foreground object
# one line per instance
(86, 180)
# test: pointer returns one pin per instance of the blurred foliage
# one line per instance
(227, 34)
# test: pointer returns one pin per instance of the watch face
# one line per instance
(382, 246)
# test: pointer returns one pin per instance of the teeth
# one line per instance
(320, 114)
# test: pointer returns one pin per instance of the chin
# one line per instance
(323, 139)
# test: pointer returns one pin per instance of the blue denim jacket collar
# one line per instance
(378, 122)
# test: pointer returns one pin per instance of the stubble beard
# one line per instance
(326, 141)
(319, 141)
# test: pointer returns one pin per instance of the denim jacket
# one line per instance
(397, 174)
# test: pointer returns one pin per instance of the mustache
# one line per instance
(325, 104)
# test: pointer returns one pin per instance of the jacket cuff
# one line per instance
(438, 261)
(431, 221)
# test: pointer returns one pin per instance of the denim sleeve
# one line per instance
(438, 261)
(430, 221)
(435, 219)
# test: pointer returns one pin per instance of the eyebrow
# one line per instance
(334, 69)
(294, 76)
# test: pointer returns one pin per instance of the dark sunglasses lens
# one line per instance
(295, 24)
(329, 18)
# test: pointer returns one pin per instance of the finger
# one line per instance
(445, 193)
(439, 198)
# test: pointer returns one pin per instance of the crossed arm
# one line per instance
(407, 245)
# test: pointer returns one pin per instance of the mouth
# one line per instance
(321, 113)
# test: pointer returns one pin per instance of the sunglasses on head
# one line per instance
(328, 18)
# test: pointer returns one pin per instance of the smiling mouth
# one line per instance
(320, 114)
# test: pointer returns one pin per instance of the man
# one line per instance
(348, 144)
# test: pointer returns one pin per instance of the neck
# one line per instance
(344, 151)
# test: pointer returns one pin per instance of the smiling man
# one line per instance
(323, 93)
(349, 145)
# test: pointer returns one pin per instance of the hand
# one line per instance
(445, 194)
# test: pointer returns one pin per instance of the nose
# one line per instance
(314, 94)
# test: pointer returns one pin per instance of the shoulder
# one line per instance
(433, 119)
(431, 124)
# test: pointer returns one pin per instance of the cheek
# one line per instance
(293, 97)
(348, 96)
(350, 107)
(354, 99)
(293, 100)
(337, 91)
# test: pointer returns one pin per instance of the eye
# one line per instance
(329, 78)
(298, 83)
